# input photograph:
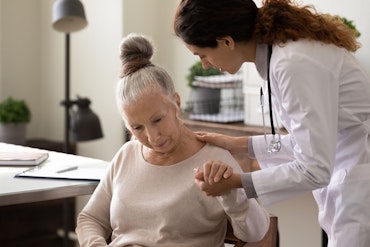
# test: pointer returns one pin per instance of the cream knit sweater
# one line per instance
(141, 204)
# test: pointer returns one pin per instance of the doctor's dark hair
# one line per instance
(201, 22)
(138, 74)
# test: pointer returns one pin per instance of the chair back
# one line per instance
(271, 239)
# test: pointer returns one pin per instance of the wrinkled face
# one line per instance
(222, 57)
(152, 119)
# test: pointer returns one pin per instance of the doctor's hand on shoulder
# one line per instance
(235, 144)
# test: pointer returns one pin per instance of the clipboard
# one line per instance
(70, 171)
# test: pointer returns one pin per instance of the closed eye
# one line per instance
(157, 120)
(136, 128)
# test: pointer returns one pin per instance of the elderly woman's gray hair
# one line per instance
(138, 74)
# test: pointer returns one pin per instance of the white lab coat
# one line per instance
(322, 96)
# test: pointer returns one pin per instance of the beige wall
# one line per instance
(32, 68)
(155, 21)
(33, 60)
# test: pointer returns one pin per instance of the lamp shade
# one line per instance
(68, 16)
(85, 124)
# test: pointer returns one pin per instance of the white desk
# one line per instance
(15, 191)
(24, 190)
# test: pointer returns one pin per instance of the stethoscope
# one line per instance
(275, 144)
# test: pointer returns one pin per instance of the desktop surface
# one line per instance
(24, 190)
(39, 207)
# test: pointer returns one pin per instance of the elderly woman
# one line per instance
(148, 196)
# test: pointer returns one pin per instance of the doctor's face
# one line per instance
(222, 57)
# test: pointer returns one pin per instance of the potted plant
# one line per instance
(203, 100)
(14, 116)
(351, 25)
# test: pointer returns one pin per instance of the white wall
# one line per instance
(32, 58)
(32, 68)
(33, 61)
(19, 48)
(96, 69)
(170, 53)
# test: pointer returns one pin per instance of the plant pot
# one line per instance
(14, 133)
(204, 100)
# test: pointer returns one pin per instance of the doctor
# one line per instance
(316, 87)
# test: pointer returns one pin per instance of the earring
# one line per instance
(220, 69)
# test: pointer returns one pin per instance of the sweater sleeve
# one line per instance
(250, 221)
(93, 223)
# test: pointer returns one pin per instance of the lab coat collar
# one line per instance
(261, 60)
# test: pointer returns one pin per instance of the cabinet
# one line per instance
(34, 224)
(232, 129)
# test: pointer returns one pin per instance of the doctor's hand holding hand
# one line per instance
(235, 144)
(216, 178)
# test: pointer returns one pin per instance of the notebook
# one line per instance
(29, 158)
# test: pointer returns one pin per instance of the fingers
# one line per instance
(198, 174)
(200, 133)
(199, 183)
(229, 171)
(205, 187)
(201, 136)
(216, 139)
(207, 136)
(214, 171)
(216, 189)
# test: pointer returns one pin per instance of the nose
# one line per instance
(152, 134)
(206, 65)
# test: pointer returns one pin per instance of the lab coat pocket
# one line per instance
(358, 173)
(351, 222)
(345, 199)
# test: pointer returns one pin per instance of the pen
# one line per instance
(71, 168)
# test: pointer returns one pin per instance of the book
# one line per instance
(30, 158)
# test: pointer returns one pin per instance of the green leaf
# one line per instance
(197, 70)
(14, 111)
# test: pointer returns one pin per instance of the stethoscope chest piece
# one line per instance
(275, 144)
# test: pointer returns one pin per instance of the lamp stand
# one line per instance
(67, 101)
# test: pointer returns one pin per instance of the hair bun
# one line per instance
(135, 53)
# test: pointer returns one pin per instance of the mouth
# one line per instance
(160, 145)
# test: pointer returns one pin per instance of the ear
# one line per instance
(177, 99)
(227, 41)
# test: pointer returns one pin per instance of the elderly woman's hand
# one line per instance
(216, 188)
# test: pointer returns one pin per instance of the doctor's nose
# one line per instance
(206, 65)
